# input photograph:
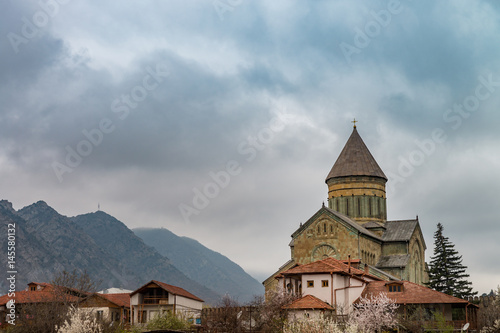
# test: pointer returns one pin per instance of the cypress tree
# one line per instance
(446, 271)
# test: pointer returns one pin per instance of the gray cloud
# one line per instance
(228, 75)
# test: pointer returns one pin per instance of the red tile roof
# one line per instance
(122, 299)
(43, 285)
(171, 289)
(44, 293)
(328, 265)
(308, 302)
(412, 293)
(27, 296)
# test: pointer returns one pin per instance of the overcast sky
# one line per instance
(220, 119)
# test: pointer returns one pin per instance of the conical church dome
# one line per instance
(355, 160)
(356, 183)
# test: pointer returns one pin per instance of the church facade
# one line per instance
(354, 227)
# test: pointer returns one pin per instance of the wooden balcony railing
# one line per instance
(155, 300)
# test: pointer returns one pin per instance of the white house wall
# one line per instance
(346, 296)
(304, 314)
(189, 306)
(106, 312)
(136, 299)
(323, 293)
(336, 293)
(183, 305)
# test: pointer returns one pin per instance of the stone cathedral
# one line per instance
(354, 225)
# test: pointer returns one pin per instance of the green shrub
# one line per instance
(169, 321)
(440, 324)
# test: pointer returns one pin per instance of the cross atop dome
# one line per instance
(354, 122)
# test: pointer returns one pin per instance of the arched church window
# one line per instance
(319, 229)
(323, 251)
(324, 228)
(331, 228)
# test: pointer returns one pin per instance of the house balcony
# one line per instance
(155, 300)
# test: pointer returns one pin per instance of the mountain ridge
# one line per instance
(203, 264)
(48, 243)
(114, 255)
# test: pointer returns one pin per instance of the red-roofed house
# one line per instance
(411, 296)
(332, 285)
(35, 293)
(329, 280)
(157, 297)
(308, 306)
(109, 307)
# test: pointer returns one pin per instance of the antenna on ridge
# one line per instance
(98, 207)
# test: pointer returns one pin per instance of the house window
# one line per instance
(310, 284)
(393, 288)
(33, 288)
(99, 314)
(324, 283)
